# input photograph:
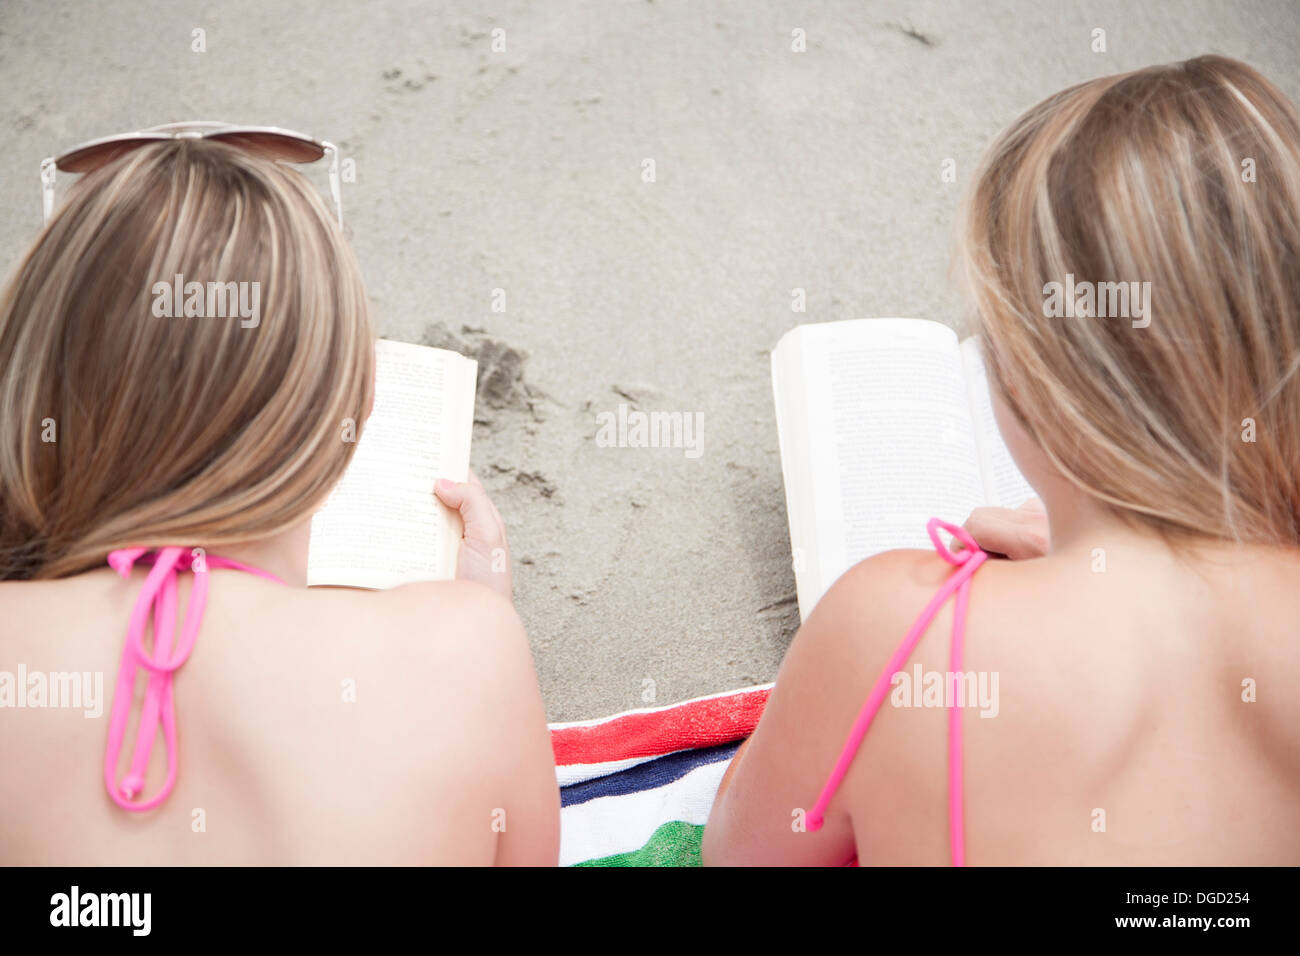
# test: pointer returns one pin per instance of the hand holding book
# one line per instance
(484, 553)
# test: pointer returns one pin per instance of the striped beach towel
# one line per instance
(636, 788)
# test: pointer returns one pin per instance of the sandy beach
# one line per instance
(644, 576)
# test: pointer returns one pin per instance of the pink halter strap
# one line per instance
(159, 595)
(966, 561)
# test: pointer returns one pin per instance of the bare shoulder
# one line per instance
(467, 641)
(1031, 630)
(877, 595)
(425, 657)
(456, 608)
(467, 635)
(445, 705)
(867, 613)
(880, 594)
(890, 570)
(850, 640)
(845, 642)
(828, 671)
(412, 611)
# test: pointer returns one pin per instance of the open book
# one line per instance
(883, 424)
(382, 525)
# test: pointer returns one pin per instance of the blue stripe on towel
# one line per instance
(645, 776)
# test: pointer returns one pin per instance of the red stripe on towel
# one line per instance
(695, 723)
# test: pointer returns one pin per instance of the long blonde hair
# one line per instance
(1186, 176)
(125, 427)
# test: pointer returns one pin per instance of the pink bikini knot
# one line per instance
(158, 597)
(961, 534)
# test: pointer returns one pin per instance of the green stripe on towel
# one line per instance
(673, 844)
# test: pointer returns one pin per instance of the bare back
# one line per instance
(1143, 714)
(313, 727)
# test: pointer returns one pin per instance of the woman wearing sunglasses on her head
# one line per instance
(1145, 708)
(157, 474)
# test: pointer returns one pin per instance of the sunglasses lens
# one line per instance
(279, 146)
(91, 157)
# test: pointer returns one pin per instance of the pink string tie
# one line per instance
(967, 561)
(159, 597)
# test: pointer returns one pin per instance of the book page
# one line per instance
(382, 525)
(879, 409)
(1004, 485)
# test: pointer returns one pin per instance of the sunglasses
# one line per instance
(268, 142)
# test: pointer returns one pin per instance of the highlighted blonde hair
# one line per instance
(175, 431)
(1146, 177)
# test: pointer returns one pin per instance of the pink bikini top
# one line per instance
(159, 595)
(967, 562)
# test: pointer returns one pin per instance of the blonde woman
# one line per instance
(1147, 661)
(165, 470)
